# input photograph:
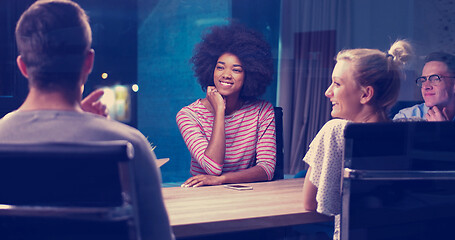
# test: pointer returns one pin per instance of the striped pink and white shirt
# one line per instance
(250, 138)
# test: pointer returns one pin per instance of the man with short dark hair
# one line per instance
(54, 43)
(437, 85)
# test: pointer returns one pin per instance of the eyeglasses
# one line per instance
(434, 80)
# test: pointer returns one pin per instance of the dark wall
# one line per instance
(114, 26)
(13, 86)
(264, 16)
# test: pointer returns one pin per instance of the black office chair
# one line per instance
(279, 167)
(399, 181)
(67, 191)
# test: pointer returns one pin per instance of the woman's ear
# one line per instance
(367, 94)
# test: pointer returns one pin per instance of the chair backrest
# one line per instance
(398, 181)
(279, 167)
(65, 190)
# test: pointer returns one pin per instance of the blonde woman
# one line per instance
(365, 85)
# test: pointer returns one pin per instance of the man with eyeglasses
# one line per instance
(437, 85)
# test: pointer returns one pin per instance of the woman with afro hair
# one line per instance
(230, 133)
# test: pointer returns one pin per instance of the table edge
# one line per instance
(226, 226)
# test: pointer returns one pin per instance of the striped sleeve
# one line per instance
(197, 141)
(266, 144)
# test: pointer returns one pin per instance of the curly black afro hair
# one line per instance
(248, 45)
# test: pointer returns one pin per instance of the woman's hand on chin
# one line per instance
(215, 99)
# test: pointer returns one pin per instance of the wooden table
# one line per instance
(217, 209)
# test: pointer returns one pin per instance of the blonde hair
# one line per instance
(380, 70)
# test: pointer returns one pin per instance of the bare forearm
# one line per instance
(217, 145)
(253, 174)
(309, 193)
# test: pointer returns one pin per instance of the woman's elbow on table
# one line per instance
(309, 193)
(310, 205)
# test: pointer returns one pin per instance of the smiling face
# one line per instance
(228, 75)
(344, 92)
(442, 94)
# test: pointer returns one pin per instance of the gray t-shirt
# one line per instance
(69, 126)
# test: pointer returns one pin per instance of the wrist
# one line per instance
(220, 110)
(222, 179)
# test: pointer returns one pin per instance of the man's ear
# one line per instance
(21, 66)
(89, 60)
(367, 94)
(88, 64)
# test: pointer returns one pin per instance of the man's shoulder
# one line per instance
(416, 111)
(112, 126)
(417, 106)
(62, 124)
